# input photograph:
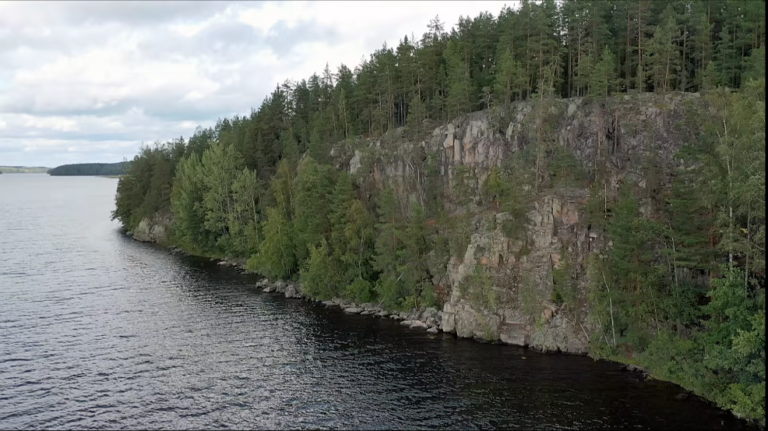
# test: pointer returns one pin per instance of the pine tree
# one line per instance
(510, 78)
(662, 53)
(602, 77)
(459, 84)
(312, 198)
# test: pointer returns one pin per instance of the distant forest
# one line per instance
(91, 169)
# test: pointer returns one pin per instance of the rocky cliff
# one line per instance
(154, 229)
(627, 138)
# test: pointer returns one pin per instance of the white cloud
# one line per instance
(83, 80)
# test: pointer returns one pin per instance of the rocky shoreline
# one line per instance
(429, 319)
(426, 319)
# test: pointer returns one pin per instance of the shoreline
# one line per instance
(422, 319)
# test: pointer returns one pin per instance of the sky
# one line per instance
(84, 82)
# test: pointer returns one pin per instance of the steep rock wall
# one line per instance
(624, 134)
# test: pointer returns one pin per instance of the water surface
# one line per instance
(99, 331)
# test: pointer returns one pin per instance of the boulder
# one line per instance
(432, 330)
(290, 292)
(269, 289)
(430, 313)
(280, 286)
(418, 324)
(353, 310)
(406, 322)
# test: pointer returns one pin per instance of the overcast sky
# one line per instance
(89, 81)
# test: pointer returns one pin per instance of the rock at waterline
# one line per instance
(269, 289)
(418, 324)
(353, 310)
(290, 292)
(432, 330)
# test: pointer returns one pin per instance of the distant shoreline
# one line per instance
(23, 170)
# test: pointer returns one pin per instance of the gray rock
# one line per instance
(280, 286)
(269, 289)
(418, 324)
(432, 330)
(406, 322)
(430, 312)
(329, 303)
(353, 310)
(290, 292)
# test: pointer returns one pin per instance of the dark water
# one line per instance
(98, 331)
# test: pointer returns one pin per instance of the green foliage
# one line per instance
(517, 193)
(244, 222)
(602, 77)
(564, 169)
(413, 269)
(565, 290)
(320, 275)
(276, 258)
(312, 199)
(479, 287)
(102, 169)
(186, 203)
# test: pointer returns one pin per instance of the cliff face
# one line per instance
(155, 229)
(515, 304)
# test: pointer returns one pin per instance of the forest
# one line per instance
(264, 186)
(90, 169)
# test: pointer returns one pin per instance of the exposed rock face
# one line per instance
(516, 307)
(155, 229)
(521, 310)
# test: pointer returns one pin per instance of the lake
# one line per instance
(99, 331)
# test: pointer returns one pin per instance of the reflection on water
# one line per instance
(98, 331)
